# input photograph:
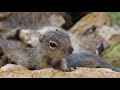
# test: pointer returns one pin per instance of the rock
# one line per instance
(85, 30)
(4, 15)
(92, 41)
(109, 34)
(35, 20)
(76, 16)
(90, 21)
(14, 71)
(112, 55)
(3, 60)
(1, 27)
(17, 71)
(57, 20)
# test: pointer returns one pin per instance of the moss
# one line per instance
(112, 55)
(115, 17)
(113, 51)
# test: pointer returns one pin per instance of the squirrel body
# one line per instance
(53, 46)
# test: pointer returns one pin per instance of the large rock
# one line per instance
(92, 41)
(4, 15)
(110, 34)
(35, 20)
(85, 30)
(17, 71)
(94, 19)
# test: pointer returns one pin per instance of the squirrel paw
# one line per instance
(70, 69)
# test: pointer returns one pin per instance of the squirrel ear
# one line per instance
(41, 38)
(13, 33)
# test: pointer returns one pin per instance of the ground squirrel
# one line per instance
(53, 46)
(76, 59)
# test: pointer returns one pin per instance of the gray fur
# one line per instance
(87, 60)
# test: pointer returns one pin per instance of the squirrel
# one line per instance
(53, 46)
(71, 62)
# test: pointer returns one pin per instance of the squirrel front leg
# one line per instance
(64, 67)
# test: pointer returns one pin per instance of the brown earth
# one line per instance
(17, 71)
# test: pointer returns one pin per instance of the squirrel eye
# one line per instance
(52, 44)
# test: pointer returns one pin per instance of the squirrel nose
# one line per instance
(71, 49)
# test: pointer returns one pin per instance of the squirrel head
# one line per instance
(56, 43)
